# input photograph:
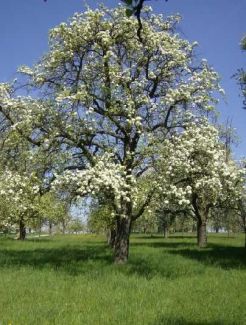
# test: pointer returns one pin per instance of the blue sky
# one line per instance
(217, 25)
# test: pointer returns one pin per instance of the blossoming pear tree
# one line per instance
(194, 172)
(20, 194)
(104, 98)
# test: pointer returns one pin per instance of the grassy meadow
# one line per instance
(72, 280)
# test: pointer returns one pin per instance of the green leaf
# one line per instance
(129, 12)
(128, 2)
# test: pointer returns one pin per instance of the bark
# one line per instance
(201, 233)
(22, 230)
(121, 245)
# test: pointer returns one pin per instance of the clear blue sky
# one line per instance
(217, 25)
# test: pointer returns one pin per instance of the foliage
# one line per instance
(76, 226)
(100, 100)
(100, 218)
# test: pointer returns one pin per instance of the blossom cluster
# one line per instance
(105, 176)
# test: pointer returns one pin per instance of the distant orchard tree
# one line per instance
(193, 172)
(19, 194)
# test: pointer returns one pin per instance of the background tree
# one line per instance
(53, 211)
(101, 219)
(76, 226)
(21, 195)
(193, 172)
(241, 75)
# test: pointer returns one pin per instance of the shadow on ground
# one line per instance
(72, 260)
(161, 237)
(181, 321)
(95, 257)
(223, 257)
(159, 260)
(226, 257)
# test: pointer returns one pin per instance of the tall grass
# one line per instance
(72, 280)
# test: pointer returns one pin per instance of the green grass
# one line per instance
(72, 280)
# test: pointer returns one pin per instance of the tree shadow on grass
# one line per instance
(159, 261)
(168, 245)
(221, 257)
(144, 268)
(39, 240)
(93, 258)
(182, 237)
(69, 259)
(161, 237)
(163, 320)
(218, 255)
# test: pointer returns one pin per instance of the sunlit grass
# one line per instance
(72, 280)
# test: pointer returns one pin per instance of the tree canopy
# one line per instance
(102, 102)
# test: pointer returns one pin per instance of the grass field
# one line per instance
(72, 280)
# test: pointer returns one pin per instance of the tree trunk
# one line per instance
(22, 230)
(63, 227)
(111, 234)
(50, 228)
(245, 237)
(201, 233)
(121, 245)
(165, 231)
(194, 228)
